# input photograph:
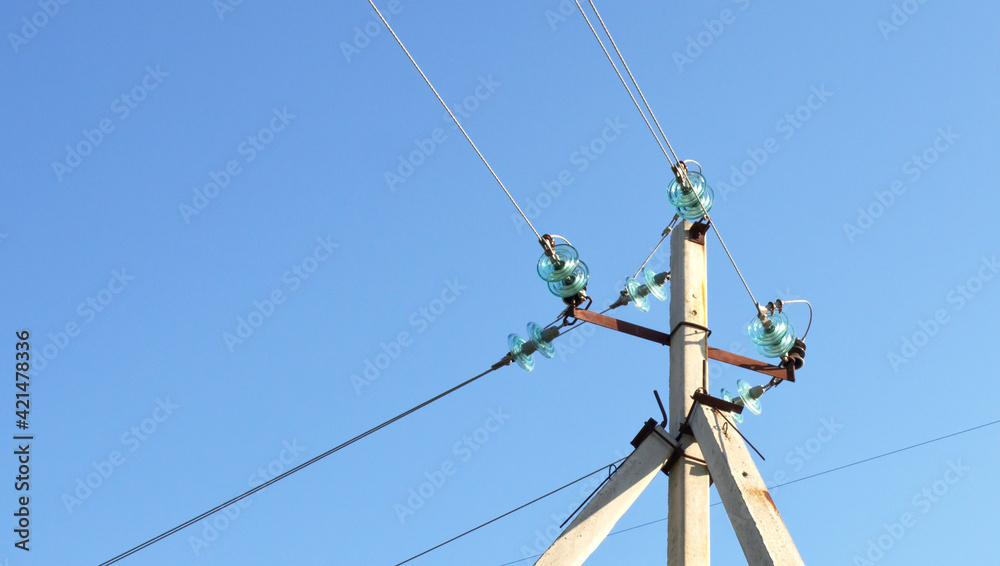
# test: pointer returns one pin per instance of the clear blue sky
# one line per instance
(173, 174)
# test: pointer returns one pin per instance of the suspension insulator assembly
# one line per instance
(773, 334)
(655, 285)
(748, 397)
(539, 340)
(572, 284)
(560, 266)
(685, 196)
(727, 396)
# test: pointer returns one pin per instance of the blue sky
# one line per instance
(218, 218)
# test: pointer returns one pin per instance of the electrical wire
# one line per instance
(883, 455)
(634, 82)
(623, 298)
(657, 122)
(562, 313)
(666, 232)
(503, 362)
(620, 77)
(457, 123)
(497, 518)
(683, 170)
(904, 449)
(808, 304)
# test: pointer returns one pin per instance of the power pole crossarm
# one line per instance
(596, 520)
(759, 528)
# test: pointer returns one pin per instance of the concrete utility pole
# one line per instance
(701, 445)
(687, 515)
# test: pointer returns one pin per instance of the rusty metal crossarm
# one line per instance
(663, 338)
(621, 326)
(751, 364)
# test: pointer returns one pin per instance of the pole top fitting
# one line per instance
(764, 320)
(680, 173)
(548, 245)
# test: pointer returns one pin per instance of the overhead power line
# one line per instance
(457, 123)
(663, 237)
(838, 468)
(504, 362)
(514, 510)
(630, 75)
(883, 455)
(676, 162)
(622, 79)
(726, 249)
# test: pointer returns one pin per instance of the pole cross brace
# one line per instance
(651, 428)
(761, 532)
(602, 512)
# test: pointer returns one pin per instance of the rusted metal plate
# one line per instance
(697, 232)
(720, 404)
(750, 364)
(621, 326)
(646, 430)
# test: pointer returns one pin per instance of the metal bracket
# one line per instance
(645, 431)
(697, 231)
(662, 410)
(674, 457)
(716, 403)
(662, 338)
(705, 329)
(786, 374)
(790, 369)
(650, 428)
